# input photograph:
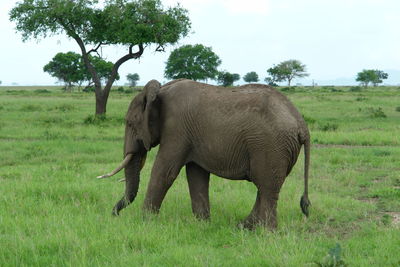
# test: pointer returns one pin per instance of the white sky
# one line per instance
(334, 38)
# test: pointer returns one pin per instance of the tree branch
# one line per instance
(97, 48)
(119, 62)
(89, 65)
(160, 48)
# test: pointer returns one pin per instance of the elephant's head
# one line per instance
(141, 133)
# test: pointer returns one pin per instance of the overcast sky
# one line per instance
(334, 38)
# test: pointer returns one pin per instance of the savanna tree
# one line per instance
(251, 77)
(129, 23)
(375, 77)
(132, 78)
(286, 71)
(227, 79)
(66, 67)
(195, 62)
(70, 69)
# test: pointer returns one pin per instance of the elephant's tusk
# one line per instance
(123, 165)
(143, 161)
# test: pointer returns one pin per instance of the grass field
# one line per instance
(54, 212)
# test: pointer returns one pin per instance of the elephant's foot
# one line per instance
(251, 223)
(203, 216)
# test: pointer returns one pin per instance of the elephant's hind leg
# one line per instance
(268, 180)
(252, 219)
(198, 180)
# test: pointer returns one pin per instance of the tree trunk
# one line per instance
(102, 93)
(101, 98)
(101, 104)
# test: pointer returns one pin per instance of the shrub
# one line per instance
(361, 98)
(329, 88)
(65, 107)
(129, 90)
(382, 153)
(376, 112)
(355, 89)
(309, 120)
(102, 120)
(52, 120)
(31, 108)
(398, 109)
(88, 89)
(333, 259)
(288, 89)
(120, 89)
(328, 127)
(42, 91)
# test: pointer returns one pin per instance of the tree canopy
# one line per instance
(251, 77)
(375, 77)
(286, 71)
(227, 79)
(196, 62)
(130, 23)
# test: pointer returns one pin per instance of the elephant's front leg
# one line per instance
(164, 172)
(198, 180)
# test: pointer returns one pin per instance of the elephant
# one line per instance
(251, 132)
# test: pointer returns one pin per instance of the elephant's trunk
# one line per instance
(132, 179)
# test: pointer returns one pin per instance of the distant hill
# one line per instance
(394, 79)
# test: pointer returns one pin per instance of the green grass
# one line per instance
(54, 212)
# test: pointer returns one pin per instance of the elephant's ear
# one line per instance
(150, 108)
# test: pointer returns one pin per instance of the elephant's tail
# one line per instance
(304, 201)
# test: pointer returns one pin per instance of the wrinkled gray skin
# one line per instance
(251, 133)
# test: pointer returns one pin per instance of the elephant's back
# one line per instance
(252, 102)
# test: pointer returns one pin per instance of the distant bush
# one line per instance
(129, 90)
(121, 89)
(376, 112)
(334, 90)
(355, 89)
(42, 91)
(31, 108)
(328, 87)
(309, 120)
(88, 89)
(103, 120)
(333, 259)
(398, 109)
(65, 107)
(52, 120)
(361, 98)
(326, 127)
(288, 89)
(382, 153)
